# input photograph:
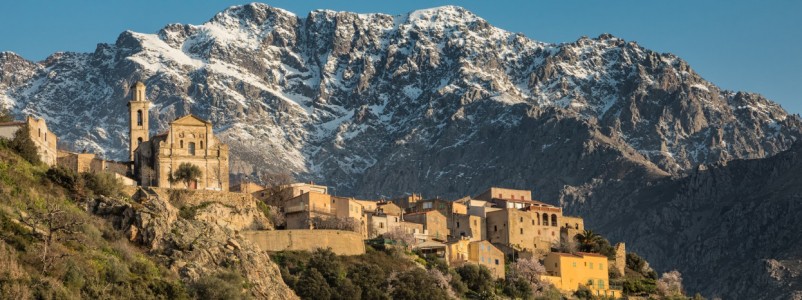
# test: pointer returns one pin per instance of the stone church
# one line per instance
(188, 139)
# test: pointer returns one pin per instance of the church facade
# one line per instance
(188, 139)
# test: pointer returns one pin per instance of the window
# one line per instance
(590, 265)
(601, 284)
(181, 144)
(139, 117)
(497, 262)
(554, 220)
(601, 266)
(381, 225)
(521, 219)
(474, 223)
(138, 141)
(574, 264)
(533, 221)
(427, 205)
(191, 148)
(40, 132)
(522, 230)
(457, 224)
(201, 145)
(45, 136)
(499, 196)
(495, 228)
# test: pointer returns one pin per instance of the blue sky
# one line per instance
(751, 46)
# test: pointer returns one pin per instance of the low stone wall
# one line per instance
(340, 242)
(182, 197)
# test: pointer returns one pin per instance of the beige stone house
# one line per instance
(188, 139)
(534, 228)
(480, 252)
(503, 193)
(433, 221)
(468, 226)
(289, 191)
(299, 210)
(46, 142)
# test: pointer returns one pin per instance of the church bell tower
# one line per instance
(138, 117)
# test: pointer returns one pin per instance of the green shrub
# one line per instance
(415, 284)
(103, 184)
(370, 279)
(222, 286)
(312, 285)
(478, 279)
(518, 289)
(24, 146)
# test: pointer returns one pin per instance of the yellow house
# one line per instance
(567, 271)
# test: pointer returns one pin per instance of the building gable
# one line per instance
(190, 120)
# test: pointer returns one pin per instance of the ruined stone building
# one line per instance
(43, 138)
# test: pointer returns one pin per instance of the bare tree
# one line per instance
(670, 284)
(49, 224)
(399, 235)
(528, 270)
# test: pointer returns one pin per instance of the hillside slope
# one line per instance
(52, 247)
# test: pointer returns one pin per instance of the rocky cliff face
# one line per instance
(435, 101)
(197, 235)
(730, 228)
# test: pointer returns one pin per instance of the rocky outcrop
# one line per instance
(189, 240)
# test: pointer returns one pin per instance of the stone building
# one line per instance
(434, 222)
(468, 226)
(188, 139)
(42, 137)
(535, 227)
(502, 193)
(482, 253)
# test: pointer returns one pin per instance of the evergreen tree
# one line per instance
(186, 173)
(23, 144)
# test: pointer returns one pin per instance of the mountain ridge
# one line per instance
(434, 101)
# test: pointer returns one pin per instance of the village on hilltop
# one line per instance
(485, 229)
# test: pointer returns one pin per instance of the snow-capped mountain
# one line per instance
(435, 101)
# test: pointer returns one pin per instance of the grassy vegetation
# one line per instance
(51, 249)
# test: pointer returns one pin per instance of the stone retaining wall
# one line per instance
(340, 242)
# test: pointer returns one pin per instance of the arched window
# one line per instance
(191, 148)
(545, 219)
(139, 117)
(554, 220)
(138, 141)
